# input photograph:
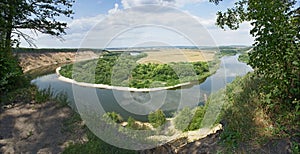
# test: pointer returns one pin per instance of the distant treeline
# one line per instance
(42, 50)
(22, 50)
(227, 51)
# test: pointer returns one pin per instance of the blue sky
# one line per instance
(131, 23)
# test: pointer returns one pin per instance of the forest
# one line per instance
(122, 69)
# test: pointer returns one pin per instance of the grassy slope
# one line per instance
(249, 120)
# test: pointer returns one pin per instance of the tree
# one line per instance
(275, 56)
(157, 118)
(37, 15)
(15, 15)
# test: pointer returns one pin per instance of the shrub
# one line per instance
(157, 118)
(115, 117)
(131, 123)
(11, 75)
(197, 118)
(183, 119)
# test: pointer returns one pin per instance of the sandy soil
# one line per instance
(35, 128)
(177, 55)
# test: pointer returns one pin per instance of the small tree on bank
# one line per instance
(157, 118)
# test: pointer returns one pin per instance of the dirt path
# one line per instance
(35, 128)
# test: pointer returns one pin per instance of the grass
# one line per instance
(31, 94)
(245, 120)
(62, 99)
(23, 94)
(95, 145)
(72, 123)
(250, 122)
(43, 95)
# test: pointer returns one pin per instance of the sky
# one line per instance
(135, 23)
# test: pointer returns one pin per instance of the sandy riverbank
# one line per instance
(103, 86)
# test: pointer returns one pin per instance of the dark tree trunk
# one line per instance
(8, 38)
(8, 27)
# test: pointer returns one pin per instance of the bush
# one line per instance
(183, 119)
(19, 95)
(131, 123)
(115, 117)
(11, 75)
(197, 118)
(157, 118)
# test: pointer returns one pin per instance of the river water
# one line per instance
(139, 104)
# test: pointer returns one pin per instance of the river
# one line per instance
(139, 104)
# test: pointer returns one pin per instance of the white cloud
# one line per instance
(141, 24)
(84, 24)
(76, 31)
(232, 37)
(174, 3)
(115, 9)
(145, 25)
(240, 36)
(134, 3)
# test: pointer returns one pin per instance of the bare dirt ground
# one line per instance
(177, 55)
(36, 128)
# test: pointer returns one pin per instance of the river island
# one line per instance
(142, 70)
